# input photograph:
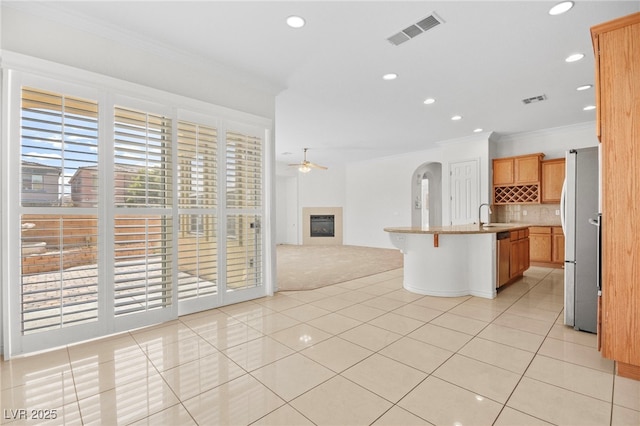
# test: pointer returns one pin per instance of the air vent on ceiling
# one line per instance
(416, 29)
(534, 99)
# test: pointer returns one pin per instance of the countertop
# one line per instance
(493, 228)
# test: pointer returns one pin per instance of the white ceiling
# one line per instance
(480, 63)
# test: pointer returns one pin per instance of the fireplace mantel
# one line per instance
(307, 212)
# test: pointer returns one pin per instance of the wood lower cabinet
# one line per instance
(513, 256)
(557, 245)
(519, 252)
(547, 245)
(540, 242)
(617, 56)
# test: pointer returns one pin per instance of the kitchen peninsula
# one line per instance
(452, 261)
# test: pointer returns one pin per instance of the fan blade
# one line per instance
(297, 165)
(316, 166)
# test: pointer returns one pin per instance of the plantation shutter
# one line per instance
(197, 203)
(143, 223)
(58, 215)
(244, 183)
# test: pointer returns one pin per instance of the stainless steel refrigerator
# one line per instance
(580, 222)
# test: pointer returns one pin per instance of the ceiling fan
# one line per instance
(306, 166)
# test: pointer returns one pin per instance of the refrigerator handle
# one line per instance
(597, 221)
(563, 198)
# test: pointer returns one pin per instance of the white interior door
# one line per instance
(464, 192)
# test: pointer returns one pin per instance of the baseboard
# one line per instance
(548, 265)
(629, 371)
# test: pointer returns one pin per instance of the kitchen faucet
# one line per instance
(480, 209)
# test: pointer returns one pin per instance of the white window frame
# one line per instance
(20, 70)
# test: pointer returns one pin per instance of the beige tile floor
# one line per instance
(361, 352)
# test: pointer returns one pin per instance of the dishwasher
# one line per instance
(503, 258)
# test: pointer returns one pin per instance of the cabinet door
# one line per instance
(540, 247)
(514, 259)
(503, 171)
(558, 249)
(618, 98)
(557, 246)
(526, 253)
(553, 172)
(527, 169)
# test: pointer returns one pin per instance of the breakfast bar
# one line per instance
(450, 261)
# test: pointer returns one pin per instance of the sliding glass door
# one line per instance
(116, 214)
(244, 204)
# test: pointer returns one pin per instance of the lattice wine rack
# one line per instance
(516, 194)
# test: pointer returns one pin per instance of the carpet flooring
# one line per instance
(309, 267)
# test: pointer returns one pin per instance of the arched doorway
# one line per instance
(426, 193)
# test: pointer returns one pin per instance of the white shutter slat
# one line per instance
(244, 192)
(59, 154)
(59, 271)
(197, 203)
(143, 242)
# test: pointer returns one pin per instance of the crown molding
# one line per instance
(515, 137)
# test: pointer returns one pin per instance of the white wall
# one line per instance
(42, 38)
(551, 142)
(295, 190)
(132, 61)
(378, 195)
(379, 191)
(287, 210)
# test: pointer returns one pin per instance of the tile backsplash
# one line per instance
(539, 214)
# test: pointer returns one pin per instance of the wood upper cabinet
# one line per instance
(503, 171)
(617, 50)
(516, 180)
(527, 169)
(521, 170)
(553, 172)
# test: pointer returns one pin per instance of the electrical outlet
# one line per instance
(524, 212)
(557, 212)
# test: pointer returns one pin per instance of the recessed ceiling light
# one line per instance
(429, 101)
(585, 87)
(589, 107)
(561, 8)
(390, 76)
(575, 57)
(456, 117)
(478, 130)
(295, 21)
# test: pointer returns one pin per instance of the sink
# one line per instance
(500, 225)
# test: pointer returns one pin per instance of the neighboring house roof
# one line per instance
(41, 166)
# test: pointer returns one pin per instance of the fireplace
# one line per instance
(322, 225)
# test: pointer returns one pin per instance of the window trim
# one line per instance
(19, 70)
